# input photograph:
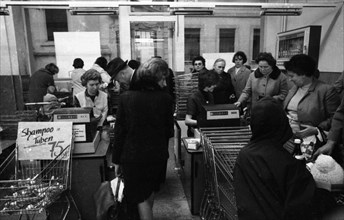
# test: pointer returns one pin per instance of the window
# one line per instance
(256, 43)
(227, 40)
(56, 20)
(192, 43)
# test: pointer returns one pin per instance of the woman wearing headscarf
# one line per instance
(269, 182)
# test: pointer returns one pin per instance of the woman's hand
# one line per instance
(237, 104)
(326, 149)
(308, 131)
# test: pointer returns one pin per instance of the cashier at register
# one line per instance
(206, 83)
(92, 96)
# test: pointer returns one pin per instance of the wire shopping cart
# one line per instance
(221, 148)
(36, 184)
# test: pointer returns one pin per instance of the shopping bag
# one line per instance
(108, 200)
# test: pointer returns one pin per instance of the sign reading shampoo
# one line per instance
(44, 140)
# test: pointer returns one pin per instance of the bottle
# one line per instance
(309, 152)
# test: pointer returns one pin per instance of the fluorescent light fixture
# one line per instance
(281, 10)
(92, 11)
(192, 12)
(4, 11)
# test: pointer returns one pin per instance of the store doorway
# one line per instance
(151, 39)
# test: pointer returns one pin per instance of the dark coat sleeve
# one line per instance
(120, 133)
(169, 119)
(337, 125)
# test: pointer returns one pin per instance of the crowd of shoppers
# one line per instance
(279, 114)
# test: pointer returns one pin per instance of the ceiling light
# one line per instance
(281, 10)
(192, 12)
(93, 11)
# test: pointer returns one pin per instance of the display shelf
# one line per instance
(305, 40)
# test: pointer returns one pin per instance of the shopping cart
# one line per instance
(221, 147)
(35, 184)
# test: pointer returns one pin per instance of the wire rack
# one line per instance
(221, 148)
(35, 184)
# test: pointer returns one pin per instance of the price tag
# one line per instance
(44, 140)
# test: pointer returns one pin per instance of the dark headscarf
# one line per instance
(269, 121)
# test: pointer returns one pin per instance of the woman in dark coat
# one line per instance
(269, 182)
(143, 127)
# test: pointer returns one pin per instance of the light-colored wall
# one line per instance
(8, 48)
(44, 50)
(210, 33)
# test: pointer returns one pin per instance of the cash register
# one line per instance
(86, 136)
(223, 115)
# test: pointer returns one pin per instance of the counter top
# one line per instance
(100, 152)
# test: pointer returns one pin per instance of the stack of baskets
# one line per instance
(185, 85)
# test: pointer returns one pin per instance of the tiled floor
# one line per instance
(170, 202)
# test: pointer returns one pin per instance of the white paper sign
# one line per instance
(71, 45)
(79, 132)
(44, 140)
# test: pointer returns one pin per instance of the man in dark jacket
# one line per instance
(41, 81)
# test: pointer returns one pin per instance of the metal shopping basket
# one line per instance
(36, 184)
(221, 148)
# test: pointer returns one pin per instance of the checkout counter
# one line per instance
(191, 155)
(90, 159)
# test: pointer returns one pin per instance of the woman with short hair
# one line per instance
(265, 81)
(239, 72)
(310, 103)
(76, 74)
(144, 124)
(203, 96)
(92, 96)
(224, 91)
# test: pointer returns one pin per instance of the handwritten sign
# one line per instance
(44, 140)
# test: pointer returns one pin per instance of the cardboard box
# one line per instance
(87, 147)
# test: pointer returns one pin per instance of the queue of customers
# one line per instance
(141, 97)
(269, 182)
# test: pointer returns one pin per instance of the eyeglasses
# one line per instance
(198, 64)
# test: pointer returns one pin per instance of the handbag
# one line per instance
(115, 212)
(108, 199)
